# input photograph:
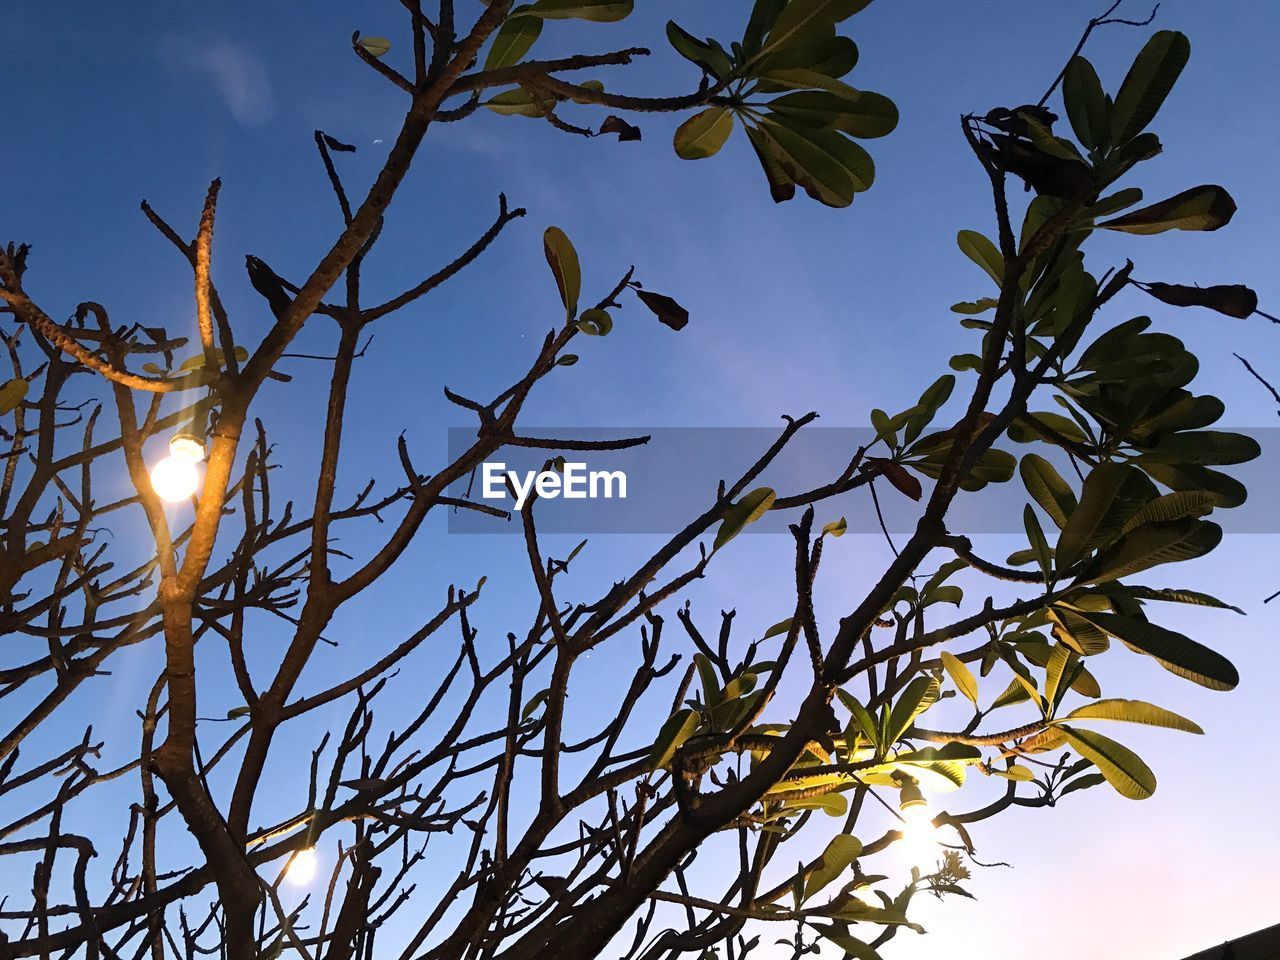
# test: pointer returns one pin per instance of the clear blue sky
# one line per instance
(795, 307)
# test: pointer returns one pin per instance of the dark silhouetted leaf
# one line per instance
(1235, 300)
(598, 11)
(624, 130)
(1148, 82)
(865, 115)
(667, 310)
(897, 475)
(1176, 653)
(1087, 107)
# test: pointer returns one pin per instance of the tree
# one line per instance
(567, 837)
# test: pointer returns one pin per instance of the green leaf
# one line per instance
(1189, 476)
(598, 11)
(781, 627)
(1016, 772)
(983, 252)
(748, 510)
(678, 728)
(1078, 634)
(764, 13)
(12, 393)
(782, 186)
(1035, 534)
(567, 360)
(1173, 506)
(1047, 488)
(703, 134)
(739, 686)
(1115, 203)
(374, 46)
(1015, 692)
(840, 852)
(513, 41)
(961, 676)
(947, 594)
(823, 53)
(1204, 447)
(1134, 711)
(1033, 426)
(1174, 595)
(705, 53)
(563, 260)
(1087, 107)
(1151, 545)
(851, 945)
(518, 103)
(931, 402)
(916, 697)
(595, 322)
(972, 308)
(1200, 208)
(865, 115)
(836, 528)
(1047, 143)
(861, 718)
(1147, 83)
(537, 700)
(196, 361)
(1062, 661)
(711, 694)
(1111, 494)
(832, 804)
(1176, 653)
(829, 166)
(1123, 768)
(805, 17)
(883, 427)
(1083, 783)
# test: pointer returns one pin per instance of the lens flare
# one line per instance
(176, 478)
(919, 835)
(302, 867)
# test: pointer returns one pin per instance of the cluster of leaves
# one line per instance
(1150, 476)
(597, 321)
(783, 83)
(1127, 421)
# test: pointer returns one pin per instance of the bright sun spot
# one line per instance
(302, 867)
(919, 836)
(175, 478)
